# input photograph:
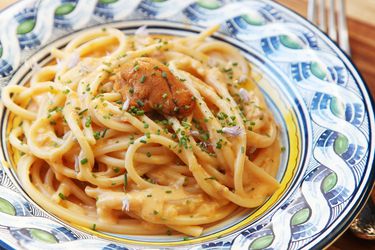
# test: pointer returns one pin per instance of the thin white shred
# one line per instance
(125, 204)
(59, 64)
(244, 95)
(35, 67)
(252, 150)
(233, 131)
(194, 133)
(73, 60)
(142, 31)
(76, 164)
(243, 78)
(179, 183)
(50, 96)
(211, 62)
(205, 144)
(126, 104)
(66, 135)
(84, 69)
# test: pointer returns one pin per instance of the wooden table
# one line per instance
(362, 39)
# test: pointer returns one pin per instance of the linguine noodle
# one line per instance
(94, 156)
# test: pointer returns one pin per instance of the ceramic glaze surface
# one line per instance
(327, 125)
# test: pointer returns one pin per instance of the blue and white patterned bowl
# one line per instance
(316, 94)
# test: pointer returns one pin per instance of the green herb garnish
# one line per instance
(84, 161)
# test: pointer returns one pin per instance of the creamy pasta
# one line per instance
(144, 134)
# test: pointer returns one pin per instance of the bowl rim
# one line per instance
(370, 104)
(359, 198)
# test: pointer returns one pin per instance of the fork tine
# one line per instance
(343, 27)
(322, 15)
(332, 32)
(311, 15)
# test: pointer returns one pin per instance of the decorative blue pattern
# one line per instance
(341, 113)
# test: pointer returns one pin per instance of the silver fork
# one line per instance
(336, 27)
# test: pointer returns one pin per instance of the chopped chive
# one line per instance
(125, 181)
(97, 135)
(108, 71)
(116, 169)
(210, 178)
(104, 132)
(148, 154)
(82, 112)
(218, 144)
(164, 74)
(205, 137)
(140, 103)
(143, 79)
(84, 161)
(155, 212)
(107, 64)
(56, 109)
(88, 122)
(94, 227)
(168, 191)
(62, 196)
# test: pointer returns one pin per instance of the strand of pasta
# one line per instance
(112, 171)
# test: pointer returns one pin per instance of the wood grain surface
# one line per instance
(362, 40)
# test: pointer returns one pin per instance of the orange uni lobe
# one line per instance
(150, 85)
